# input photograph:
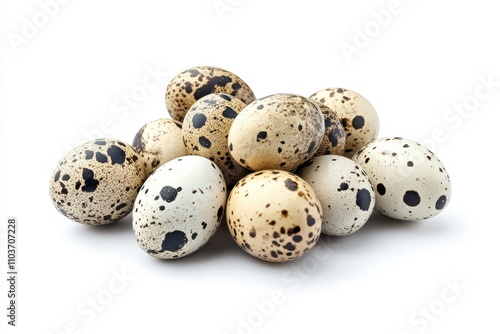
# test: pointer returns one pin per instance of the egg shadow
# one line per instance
(380, 228)
(220, 244)
(222, 247)
(120, 227)
(119, 237)
(113, 238)
(380, 223)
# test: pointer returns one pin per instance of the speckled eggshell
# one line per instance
(280, 131)
(359, 118)
(274, 215)
(191, 85)
(334, 139)
(205, 130)
(159, 141)
(345, 192)
(96, 183)
(411, 183)
(179, 207)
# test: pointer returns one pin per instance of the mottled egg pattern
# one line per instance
(179, 207)
(96, 183)
(411, 183)
(205, 131)
(334, 139)
(191, 85)
(358, 116)
(274, 215)
(159, 141)
(280, 131)
(345, 192)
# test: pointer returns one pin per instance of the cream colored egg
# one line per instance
(411, 182)
(179, 207)
(359, 118)
(344, 190)
(280, 131)
(159, 141)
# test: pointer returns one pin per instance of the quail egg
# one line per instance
(334, 139)
(358, 116)
(274, 215)
(179, 207)
(96, 183)
(205, 130)
(159, 141)
(411, 183)
(345, 192)
(191, 85)
(280, 131)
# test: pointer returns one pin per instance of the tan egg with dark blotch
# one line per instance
(357, 115)
(280, 131)
(96, 183)
(158, 142)
(334, 139)
(193, 84)
(274, 215)
(205, 131)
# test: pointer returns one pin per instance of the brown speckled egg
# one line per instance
(274, 215)
(205, 130)
(159, 141)
(358, 117)
(191, 85)
(280, 131)
(334, 139)
(96, 183)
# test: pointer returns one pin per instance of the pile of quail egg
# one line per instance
(280, 170)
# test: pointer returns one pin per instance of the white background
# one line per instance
(63, 82)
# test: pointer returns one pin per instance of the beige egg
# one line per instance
(191, 85)
(280, 131)
(358, 116)
(334, 139)
(96, 183)
(274, 215)
(158, 142)
(205, 130)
